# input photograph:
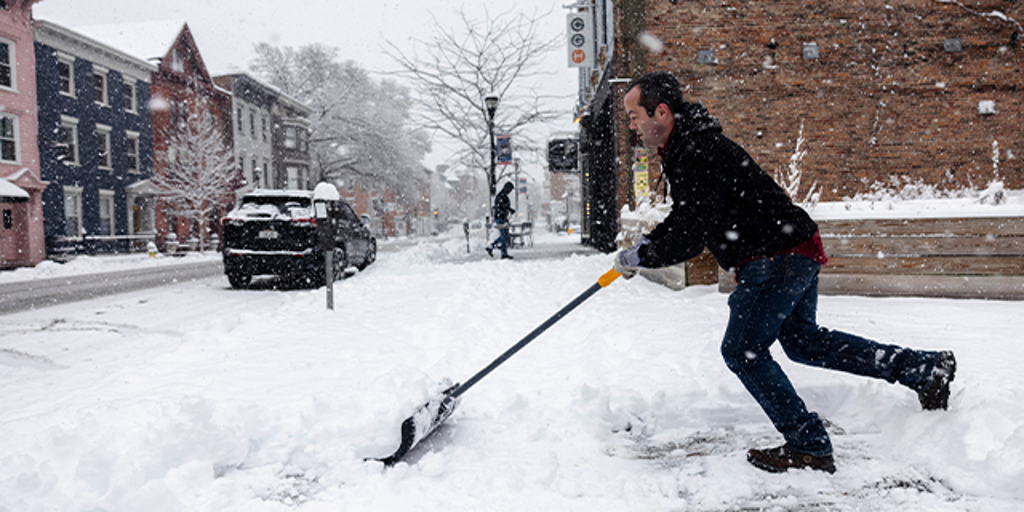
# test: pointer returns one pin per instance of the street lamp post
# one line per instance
(491, 102)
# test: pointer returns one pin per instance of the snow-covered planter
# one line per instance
(171, 243)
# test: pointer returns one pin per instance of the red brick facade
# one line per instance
(182, 85)
(884, 97)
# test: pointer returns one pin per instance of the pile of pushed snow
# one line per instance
(86, 264)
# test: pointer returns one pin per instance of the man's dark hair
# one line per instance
(657, 88)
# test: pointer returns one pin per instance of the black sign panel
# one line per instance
(562, 155)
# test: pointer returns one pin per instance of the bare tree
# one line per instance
(199, 172)
(360, 126)
(461, 64)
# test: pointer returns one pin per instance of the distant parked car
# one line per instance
(274, 232)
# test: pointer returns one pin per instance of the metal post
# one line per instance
(329, 270)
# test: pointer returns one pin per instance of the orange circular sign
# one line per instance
(579, 56)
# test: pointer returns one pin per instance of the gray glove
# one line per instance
(627, 261)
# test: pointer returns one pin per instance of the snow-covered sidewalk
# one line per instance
(196, 397)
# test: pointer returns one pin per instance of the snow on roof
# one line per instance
(148, 41)
(10, 190)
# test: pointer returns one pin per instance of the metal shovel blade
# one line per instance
(422, 423)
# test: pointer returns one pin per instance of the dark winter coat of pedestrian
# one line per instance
(723, 201)
(502, 211)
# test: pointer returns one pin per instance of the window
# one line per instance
(291, 137)
(66, 74)
(73, 212)
(264, 128)
(179, 112)
(106, 213)
(132, 151)
(7, 61)
(177, 61)
(8, 219)
(8, 139)
(67, 140)
(252, 124)
(241, 118)
(103, 146)
(295, 178)
(99, 87)
(129, 96)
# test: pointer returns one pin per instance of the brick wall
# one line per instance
(883, 99)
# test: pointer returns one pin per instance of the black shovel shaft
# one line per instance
(605, 280)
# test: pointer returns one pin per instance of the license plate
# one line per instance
(269, 234)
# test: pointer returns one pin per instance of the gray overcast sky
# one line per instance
(226, 30)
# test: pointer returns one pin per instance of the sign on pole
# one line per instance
(581, 40)
(503, 143)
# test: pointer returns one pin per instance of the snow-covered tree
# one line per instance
(790, 180)
(461, 64)
(199, 171)
(360, 127)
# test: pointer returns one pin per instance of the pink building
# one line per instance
(22, 241)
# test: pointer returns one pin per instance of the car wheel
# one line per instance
(340, 263)
(371, 255)
(239, 281)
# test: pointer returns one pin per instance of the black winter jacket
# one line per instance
(722, 200)
(502, 206)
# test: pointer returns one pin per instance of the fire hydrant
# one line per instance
(151, 247)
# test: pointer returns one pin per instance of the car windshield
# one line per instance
(275, 206)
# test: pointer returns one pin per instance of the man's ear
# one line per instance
(662, 110)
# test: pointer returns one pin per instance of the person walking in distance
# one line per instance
(723, 201)
(502, 211)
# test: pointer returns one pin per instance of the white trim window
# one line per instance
(291, 137)
(103, 160)
(67, 140)
(106, 213)
(132, 152)
(8, 65)
(66, 74)
(9, 139)
(177, 61)
(99, 86)
(73, 212)
(130, 100)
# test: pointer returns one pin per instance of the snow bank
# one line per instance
(198, 397)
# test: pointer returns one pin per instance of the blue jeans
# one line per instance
(777, 298)
(502, 240)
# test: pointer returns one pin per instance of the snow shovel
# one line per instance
(432, 414)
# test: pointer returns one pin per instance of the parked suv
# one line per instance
(274, 232)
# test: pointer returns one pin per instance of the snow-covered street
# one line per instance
(197, 397)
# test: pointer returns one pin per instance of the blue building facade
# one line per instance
(95, 143)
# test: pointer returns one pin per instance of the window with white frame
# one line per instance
(294, 178)
(66, 74)
(241, 118)
(8, 78)
(99, 86)
(132, 151)
(106, 227)
(73, 212)
(264, 128)
(252, 125)
(8, 139)
(67, 140)
(103, 147)
(129, 97)
(291, 137)
(177, 60)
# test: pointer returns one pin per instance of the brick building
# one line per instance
(923, 90)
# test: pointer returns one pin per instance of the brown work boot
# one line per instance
(935, 395)
(778, 460)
